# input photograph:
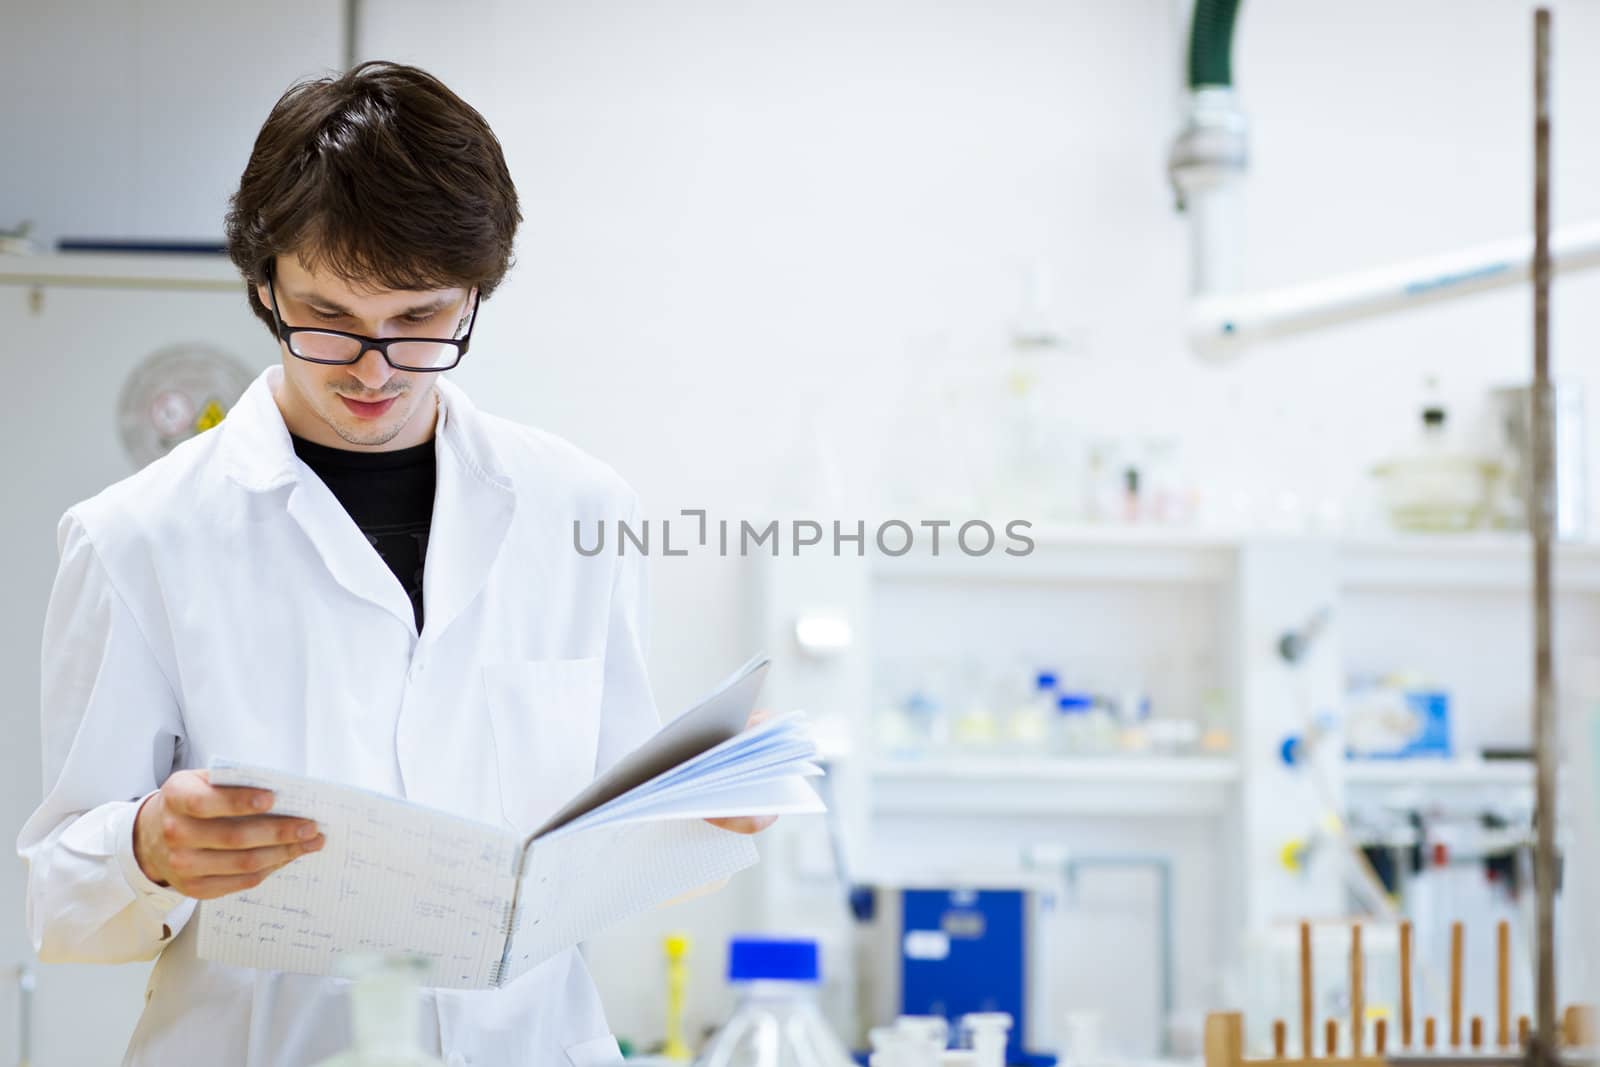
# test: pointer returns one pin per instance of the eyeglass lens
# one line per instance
(421, 355)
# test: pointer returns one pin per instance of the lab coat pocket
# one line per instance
(596, 1053)
(546, 720)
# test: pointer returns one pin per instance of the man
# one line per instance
(356, 576)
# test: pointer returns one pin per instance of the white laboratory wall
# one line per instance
(751, 223)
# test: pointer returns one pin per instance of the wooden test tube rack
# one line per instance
(1224, 1036)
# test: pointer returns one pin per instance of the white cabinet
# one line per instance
(1193, 612)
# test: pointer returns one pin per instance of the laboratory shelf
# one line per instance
(1486, 562)
(1061, 553)
(1438, 784)
(1112, 785)
(1132, 554)
(1463, 772)
(119, 270)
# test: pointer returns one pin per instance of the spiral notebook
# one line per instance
(482, 904)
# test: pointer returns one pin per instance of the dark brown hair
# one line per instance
(384, 176)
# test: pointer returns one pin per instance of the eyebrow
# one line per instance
(333, 305)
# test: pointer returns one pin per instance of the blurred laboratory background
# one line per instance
(1226, 320)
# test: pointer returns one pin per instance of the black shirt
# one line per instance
(390, 497)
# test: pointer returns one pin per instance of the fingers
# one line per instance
(208, 841)
(251, 831)
(191, 793)
(197, 865)
(749, 824)
(222, 885)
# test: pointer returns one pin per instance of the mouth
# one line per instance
(362, 409)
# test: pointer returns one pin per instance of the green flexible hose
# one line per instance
(1211, 43)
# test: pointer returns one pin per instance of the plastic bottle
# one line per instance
(777, 1022)
(1438, 485)
(384, 1014)
(913, 1041)
(1072, 711)
(975, 727)
(928, 724)
(1100, 730)
(985, 1033)
(1032, 721)
(1128, 714)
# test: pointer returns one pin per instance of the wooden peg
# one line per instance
(1380, 1036)
(1578, 1026)
(1457, 950)
(1522, 1031)
(1332, 1028)
(1358, 1005)
(1502, 1018)
(1280, 1039)
(1430, 1033)
(1477, 1033)
(1308, 1033)
(1405, 985)
(1224, 1040)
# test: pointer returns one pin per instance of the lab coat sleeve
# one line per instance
(111, 727)
(628, 714)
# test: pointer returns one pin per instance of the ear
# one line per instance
(261, 287)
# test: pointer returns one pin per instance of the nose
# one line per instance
(372, 370)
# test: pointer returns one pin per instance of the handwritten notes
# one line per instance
(398, 877)
(483, 905)
(392, 877)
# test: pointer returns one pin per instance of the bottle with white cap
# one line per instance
(985, 1033)
(924, 1038)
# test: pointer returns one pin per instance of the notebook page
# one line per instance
(771, 742)
(771, 750)
(392, 876)
(766, 792)
(574, 886)
(789, 795)
(715, 719)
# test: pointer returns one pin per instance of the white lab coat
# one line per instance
(222, 603)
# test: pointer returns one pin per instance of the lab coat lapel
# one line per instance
(472, 509)
(349, 556)
(260, 456)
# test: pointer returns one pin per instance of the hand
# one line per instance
(208, 841)
(748, 824)
(745, 824)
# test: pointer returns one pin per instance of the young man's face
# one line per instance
(368, 404)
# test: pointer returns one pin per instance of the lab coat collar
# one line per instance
(255, 446)
(474, 501)
(260, 456)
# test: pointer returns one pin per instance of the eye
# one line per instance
(418, 320)
(327, 316)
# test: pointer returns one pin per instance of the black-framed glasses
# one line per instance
(317, 344)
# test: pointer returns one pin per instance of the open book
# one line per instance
(483, 904)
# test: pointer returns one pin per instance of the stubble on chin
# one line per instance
(352, 432)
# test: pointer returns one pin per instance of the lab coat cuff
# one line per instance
(158, 898)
